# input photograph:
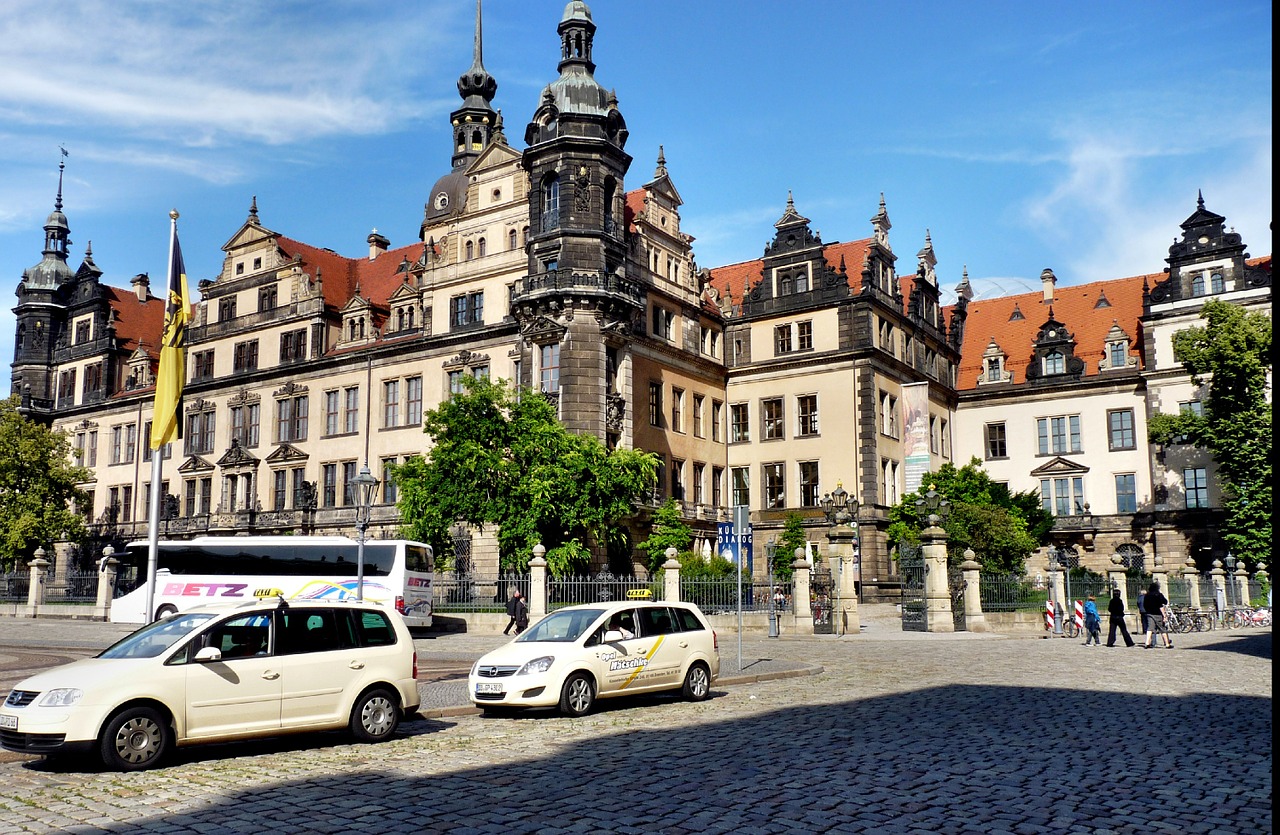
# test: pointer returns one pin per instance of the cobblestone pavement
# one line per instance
(896, 734)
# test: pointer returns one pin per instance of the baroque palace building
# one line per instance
(766, 383)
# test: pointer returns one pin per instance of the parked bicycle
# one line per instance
(1244, 616)
(1189, 620)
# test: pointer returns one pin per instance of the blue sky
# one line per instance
(1021, 135)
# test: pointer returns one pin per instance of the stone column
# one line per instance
(671, 577)
(35, 587)
(937, 594)
(1192, 578)
(1057, 582)
(1160, 577)
(1116, 578)
(1261, 577)
(1219, 577)
(106, 584)
(974, 619)
(62, 553)
(1242, 583)
(538, 582)
(842, 551)
(801, 603)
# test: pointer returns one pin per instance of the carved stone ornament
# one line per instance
(288, 389)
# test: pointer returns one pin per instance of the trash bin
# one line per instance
(773, 623)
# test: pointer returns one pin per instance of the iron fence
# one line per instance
(13, 587)
(1012, 593)
(719, 595)
(601, 588)
(468, 592)
(77, 586)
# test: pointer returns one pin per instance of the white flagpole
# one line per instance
(157, 459)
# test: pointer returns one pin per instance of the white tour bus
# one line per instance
(227, 569)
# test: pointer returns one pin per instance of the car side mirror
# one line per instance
(612, 636)
(208, 654)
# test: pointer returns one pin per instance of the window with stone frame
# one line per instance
(549, 368)
(717, 416)
(739, 423)
(804, 336)
(806, 415)
(202, 365)
(1062, 495)
(198, 437)
(1120, 429)
(699, 495)
(245, 356)
(996, 441)
(771, 419)
(655, 404)
(1126, 493)
(245, 420)
(390, 404)
(1058, 435)
(782, 339)
(809, 484)
(717, 486)
(1195, 483)
(677, 409)
(291, 419)
(268, 297)
(698, 401)
(775, 485)
(741, 486)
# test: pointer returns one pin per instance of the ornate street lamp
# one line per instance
(840, 506)
(934, 506)
(366, 486)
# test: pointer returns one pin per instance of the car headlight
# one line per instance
(537, 665)
(61, 697)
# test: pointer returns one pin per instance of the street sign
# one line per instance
(733, 539)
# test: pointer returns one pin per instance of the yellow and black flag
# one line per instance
(167, 423)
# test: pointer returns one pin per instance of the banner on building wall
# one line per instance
(915, 434)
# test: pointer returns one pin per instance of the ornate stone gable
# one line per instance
(1053, 355)
(237, 456)
(1059, 466)
(195, 464)
(286, 453)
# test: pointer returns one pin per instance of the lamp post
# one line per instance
(770, 552)
(1230, 563)
(366, 485)
(1055, 569)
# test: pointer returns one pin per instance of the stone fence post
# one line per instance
(1160, 577)
(1242, 584)
(801, 604)
(35, 587)
(538, 582)
(107, 568)
(1117, 580)
(1219, 577)
(1261, 577)
(1192, 579)
(974, 619)
(671, 577)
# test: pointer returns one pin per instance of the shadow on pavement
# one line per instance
(989, 759)
(1256, 644)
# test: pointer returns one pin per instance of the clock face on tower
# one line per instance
(442, 200)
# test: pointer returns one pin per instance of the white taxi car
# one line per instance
(579, 654)
(218, 673)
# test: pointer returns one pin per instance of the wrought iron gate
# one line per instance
(822, 597)
(915, 615)
(956, 585)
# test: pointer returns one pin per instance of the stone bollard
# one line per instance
(1117, 579)
(937, 591)
(842, 550)
(538, 582)
(671, 577)
(1160, 577)
(1192, 578)
(1242, 584)
(107, 568)
(1261, 578)
(1219, 577)
(801, 603)
(35, 587)
(974, 619)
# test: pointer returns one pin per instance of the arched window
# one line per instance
(524, 236)
(470, 250)
(1216, 284)
(1054, 363)
(476, 140)
(462, 141)
(481, 247)
(1119, 355)
(511, 239)
(1197, 285)
(551, 202)
(802, 281)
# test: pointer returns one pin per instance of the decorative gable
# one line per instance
(1053, 357)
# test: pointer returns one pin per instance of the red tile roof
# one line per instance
(136, 321)
(340, 275)
(1076, 307)
(736, 280)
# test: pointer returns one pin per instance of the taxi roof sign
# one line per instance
(639, 594)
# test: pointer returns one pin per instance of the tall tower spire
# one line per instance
(473, 123)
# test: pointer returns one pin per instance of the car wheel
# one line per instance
(578, 695)
(375, 716)
(135, 739)
(165, 610)
(697, 682)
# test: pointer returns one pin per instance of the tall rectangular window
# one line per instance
(771, 415)
(349, 497)
(413, 401)
(391, 403)
(677, 409)
(280, 490)
(698, 472)
(455, 382)
(775, 485)
(997, 444)
(244, 424)
(717, 417)
(466, 310)
(804, 336)
(809, 483)
(1120, 429)
(677, 479)
(549, 368)
(291, 419)
(1126, 493)
(717, 486)
(202, 365)
(655, 404)
(245, 357)
(739, 423)
(293, 346)
(741, 486)
(1062, 496)
(806, 415)
(331, 412)
(782, 339)
(389, 493)
(351, 410)
(1195, 480)
(697, 416)
(329, 485)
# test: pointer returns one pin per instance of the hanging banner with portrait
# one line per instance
(915, 438)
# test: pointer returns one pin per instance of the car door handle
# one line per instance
(271, 675)
(356, 665)
(684, 645)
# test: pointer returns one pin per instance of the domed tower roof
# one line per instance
(576, 90)
(476, 86)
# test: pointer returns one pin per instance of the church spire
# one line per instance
(473, 123)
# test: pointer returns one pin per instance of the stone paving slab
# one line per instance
(921, 734)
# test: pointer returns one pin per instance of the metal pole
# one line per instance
(361, 525)
(153, 539)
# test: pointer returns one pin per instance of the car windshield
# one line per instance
(565, 626)
(154, 638)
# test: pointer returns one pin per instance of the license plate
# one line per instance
(9, 723)
(485, 687)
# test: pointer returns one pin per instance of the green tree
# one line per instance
(668, 531)
(1232, 352)
(792, 537)
(38, 484)
(1002, 528)
(503, 459)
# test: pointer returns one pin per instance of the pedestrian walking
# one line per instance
(522, 614)
(1142, 613)
(1115, 612)
(512, 604)
(1157, 609)
(1092, 623)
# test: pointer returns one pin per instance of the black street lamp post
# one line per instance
(366, 486)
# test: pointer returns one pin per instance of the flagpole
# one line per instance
(157, 464)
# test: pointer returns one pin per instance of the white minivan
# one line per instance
(218, 673)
